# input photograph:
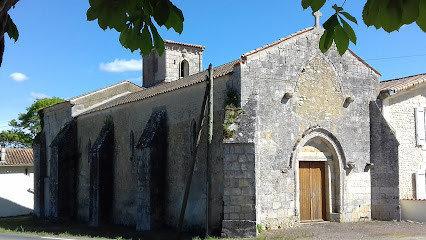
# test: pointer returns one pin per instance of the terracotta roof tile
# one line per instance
(18, 157)
(184, 44)
(404, 83)
(167, 87)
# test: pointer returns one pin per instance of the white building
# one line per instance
(16, 182)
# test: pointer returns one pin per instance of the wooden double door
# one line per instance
(312, 191)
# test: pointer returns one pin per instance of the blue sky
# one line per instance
(61, 54)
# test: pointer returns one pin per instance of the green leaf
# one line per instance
(410, 11)
(95, 3)
(92, 14)
(338, 9)
(148, 9)
(421, 20)
(341, 39)
(348, 30)
(158, 41)
(317, 5)
(161, 12)
(391, 16)
(123, 37)
(371, 12)
(103, 18)
(175, 20)
(349, 17)
(11, 28)
(117, 20)
(145, 41)
(326, 41)
(306, 3)
(331, 23)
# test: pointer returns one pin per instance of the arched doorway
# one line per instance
(318, 178)
(184, 68)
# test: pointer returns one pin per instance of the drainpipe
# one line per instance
(3, 153)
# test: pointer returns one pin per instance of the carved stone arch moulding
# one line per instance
(334, 206)
(324, 134)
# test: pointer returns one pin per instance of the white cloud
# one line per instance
(18, 77)
(35, 95)
(121, 65)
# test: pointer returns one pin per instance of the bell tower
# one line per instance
(179, 60)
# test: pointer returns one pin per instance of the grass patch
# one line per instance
(30, 225)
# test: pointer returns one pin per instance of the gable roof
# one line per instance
(165, 87)
(18, 157)
(404, 83)
(105, 88)
(244, 56)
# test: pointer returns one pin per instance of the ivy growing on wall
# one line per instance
(232, 113)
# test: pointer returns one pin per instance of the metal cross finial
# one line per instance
(317, 16)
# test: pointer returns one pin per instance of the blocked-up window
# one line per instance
(419, 115)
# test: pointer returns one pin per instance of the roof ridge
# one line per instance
(170, 86)
(396, 79)
(101, 89)
(184, 44)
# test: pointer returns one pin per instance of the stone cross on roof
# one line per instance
(317, 16)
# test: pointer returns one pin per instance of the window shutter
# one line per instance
(420, 126)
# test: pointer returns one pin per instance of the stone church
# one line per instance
(295, 148)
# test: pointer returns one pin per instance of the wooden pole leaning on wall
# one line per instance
(194, 158)
(209, 149)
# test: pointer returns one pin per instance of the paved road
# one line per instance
(7, 236)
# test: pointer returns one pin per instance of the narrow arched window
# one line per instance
(184, 68)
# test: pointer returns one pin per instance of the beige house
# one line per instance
(404, 103)
(16, 182)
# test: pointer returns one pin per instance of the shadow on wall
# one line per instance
(385, 202)
(9, 208)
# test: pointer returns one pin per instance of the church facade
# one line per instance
(291, 143)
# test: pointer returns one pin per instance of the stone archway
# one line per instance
(319, 165)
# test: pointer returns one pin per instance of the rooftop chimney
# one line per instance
(3, 152)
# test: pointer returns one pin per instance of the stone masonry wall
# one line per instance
(399, 113)
(182, 106)
(239, 191)
(385, 201)
(55, 118)
(291, 66)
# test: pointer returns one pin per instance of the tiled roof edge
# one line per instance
(101, 89)
(396, 79)
(203, 73)
(364, 62)
(184, 44)
(397, 86)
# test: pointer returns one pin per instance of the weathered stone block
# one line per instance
(238, 229)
